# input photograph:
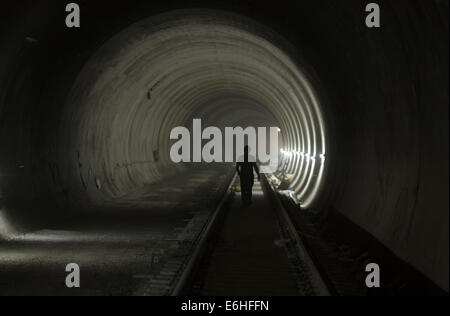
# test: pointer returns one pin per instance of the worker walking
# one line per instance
(244, 168)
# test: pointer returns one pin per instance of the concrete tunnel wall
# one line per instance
(165, 71)
(390, 99)
(383, 93)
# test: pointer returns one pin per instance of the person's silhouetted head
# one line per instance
(246, 149)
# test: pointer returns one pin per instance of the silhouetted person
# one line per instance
(245, 172)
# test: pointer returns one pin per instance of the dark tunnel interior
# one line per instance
(86, 115)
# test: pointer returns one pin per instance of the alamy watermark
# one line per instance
(218, 149)
(373, 278)
(73, 278)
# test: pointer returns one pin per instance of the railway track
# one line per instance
(208, 262)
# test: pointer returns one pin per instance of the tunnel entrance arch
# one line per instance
(168, 69)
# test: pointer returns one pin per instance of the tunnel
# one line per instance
(86, 116)
(259, 77)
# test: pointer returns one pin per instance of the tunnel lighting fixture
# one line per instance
(291, 153)
(322, 157)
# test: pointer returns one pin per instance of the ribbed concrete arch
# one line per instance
(166, 70)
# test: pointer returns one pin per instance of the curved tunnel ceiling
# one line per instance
(166, 70)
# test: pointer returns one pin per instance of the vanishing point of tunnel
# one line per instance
(87, 177)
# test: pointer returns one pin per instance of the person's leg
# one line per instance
(243, 195)
(247, 196)
(250, 193)
(245, 191)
